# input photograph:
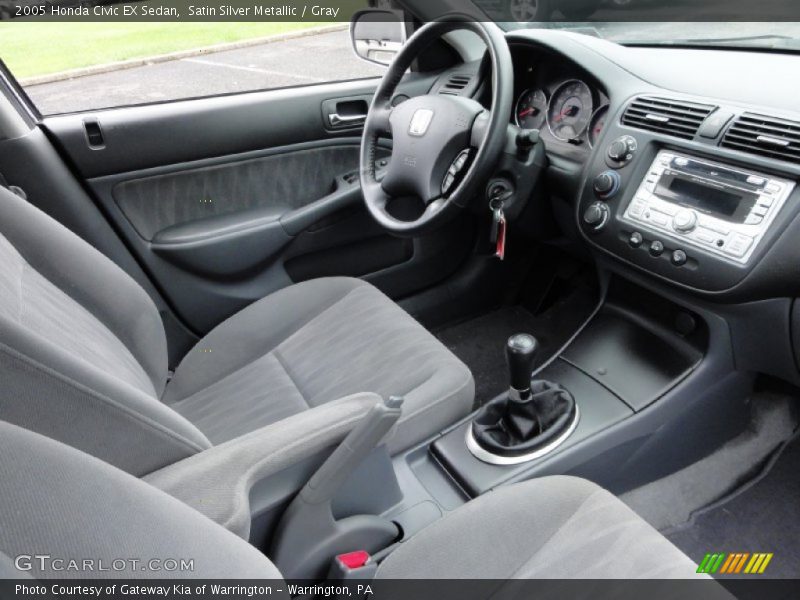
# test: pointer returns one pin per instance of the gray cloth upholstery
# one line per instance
(82, 348)
(280, 181)
(70, 506)
(60, 502)
(83, 355)
(218, 482)
(309, 344)
(548, 528)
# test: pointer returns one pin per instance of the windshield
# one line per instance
(768, 24)
(776, 36)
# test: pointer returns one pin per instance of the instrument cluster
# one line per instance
(553, 97)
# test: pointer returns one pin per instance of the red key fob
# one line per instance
(500, 251)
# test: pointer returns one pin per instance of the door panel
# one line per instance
(280, 182)
(225, 200)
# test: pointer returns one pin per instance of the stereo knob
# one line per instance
(685, 221)
(596, 216)
(606, 184)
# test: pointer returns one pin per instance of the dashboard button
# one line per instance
(766, 201)
(738, 245)
(637, 208)
(715, 225)
(448, 182)
(705, 236)
(656, 248)
(636, 239)
(679, 258)
(659, 218)
(460, 160)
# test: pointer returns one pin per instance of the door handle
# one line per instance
(337, 120)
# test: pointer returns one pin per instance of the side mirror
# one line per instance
(377, 35)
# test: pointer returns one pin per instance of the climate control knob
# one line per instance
(621, 151)
(596, 215)
(606, 184)
(684, 221)
(618, 150)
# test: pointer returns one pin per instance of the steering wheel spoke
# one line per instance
(379, 121)
(479, 127)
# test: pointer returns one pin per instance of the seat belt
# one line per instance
(14, 189)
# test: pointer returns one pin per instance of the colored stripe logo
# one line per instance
(735, 563)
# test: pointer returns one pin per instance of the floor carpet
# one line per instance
(480, 343)
(763, 518)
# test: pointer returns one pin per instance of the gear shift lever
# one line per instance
(532, 418)
(520, 355)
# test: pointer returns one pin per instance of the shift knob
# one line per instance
(520, 353)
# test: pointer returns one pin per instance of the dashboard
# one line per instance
(678, 169)
(661, 162)
(562, 101)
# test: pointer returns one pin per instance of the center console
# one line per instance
(632, 353)
(669, 208)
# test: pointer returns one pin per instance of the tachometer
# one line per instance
(531, 109)
(570, 110)
(597, 123)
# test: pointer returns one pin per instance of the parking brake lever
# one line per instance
(308, 536)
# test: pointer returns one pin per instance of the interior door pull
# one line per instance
(337, 120)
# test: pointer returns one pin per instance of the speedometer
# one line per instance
(570, 110)
(531, 109)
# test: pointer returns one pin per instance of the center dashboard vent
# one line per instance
(677, 118)
(765, 136)
(455, 84)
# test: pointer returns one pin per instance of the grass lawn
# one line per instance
(30, 49)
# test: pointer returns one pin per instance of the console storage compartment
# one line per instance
(631, 356)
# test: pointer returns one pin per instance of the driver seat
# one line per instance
(83, 355)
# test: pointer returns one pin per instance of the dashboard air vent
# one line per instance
(677, 118)
(455, 84)
(764, 136)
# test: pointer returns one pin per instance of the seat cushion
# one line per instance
(548, 528)
(312, 343)
(71, 506)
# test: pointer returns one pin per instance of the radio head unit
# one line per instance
(721, 209)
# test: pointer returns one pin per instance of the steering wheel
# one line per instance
(444, 146)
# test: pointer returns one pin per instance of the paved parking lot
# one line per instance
(297, 61)
(312, 59)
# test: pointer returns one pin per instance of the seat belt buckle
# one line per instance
(352, 565)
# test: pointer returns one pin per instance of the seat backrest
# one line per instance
(70, 506)
(83, 355)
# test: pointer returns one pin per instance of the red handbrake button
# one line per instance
(354, 560)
